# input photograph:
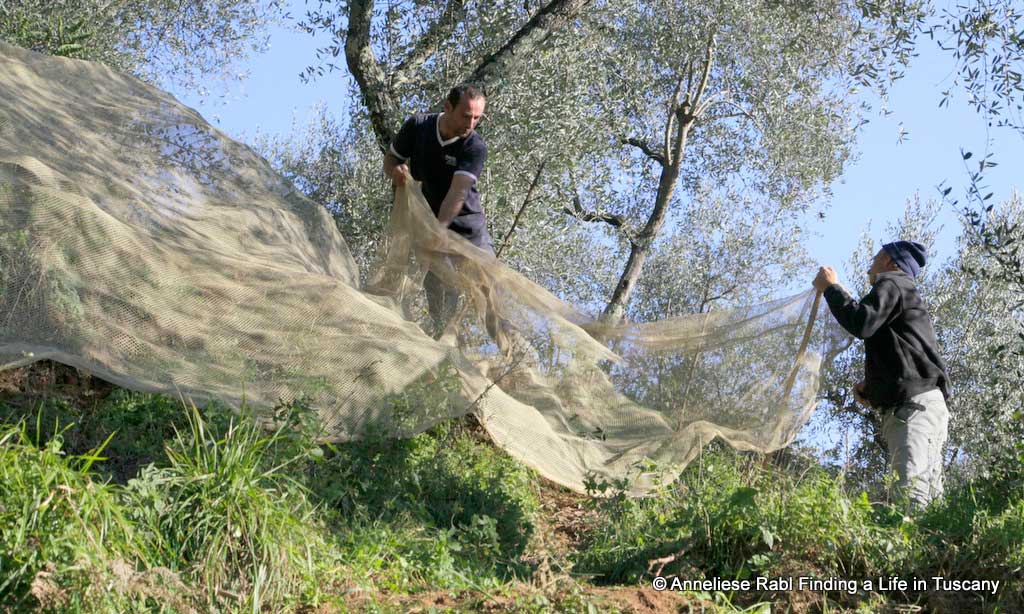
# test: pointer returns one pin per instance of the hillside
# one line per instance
(117, 501)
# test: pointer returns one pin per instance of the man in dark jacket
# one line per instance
(904, 376)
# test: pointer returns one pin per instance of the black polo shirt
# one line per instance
(434, 162)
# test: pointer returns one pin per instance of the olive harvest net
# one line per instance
(141, 244)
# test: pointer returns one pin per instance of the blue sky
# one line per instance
(873, 189)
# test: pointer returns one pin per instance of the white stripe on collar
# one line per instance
(437, 128)
(400, 157)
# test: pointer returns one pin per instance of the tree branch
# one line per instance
(709, 56)
(427, 44)
(740, 112)
(608, 218)
(577, 211)
(554, 16)
(644, 147)
(377, 91)
(526, 201)
(673, 105)
(724, 294)
(689, 81)
(682, 130)
(367, 72)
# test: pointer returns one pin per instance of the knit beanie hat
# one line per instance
(908, 255)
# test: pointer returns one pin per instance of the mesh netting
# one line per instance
(141, 244)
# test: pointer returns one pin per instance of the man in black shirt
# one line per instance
(447, 156)
(904, 376)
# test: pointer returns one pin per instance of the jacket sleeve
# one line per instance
(863, 319)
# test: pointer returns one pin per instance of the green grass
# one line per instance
(219, 519)
(242, 518)
(137, 425)
(732, 516)
(738, 518)
(65, 539)
(225, 513)
(138, 503)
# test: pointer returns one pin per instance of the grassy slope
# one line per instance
(117, 501)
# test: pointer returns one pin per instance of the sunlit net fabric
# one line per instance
(143, 245)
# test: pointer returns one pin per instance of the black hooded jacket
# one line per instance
(901, 353)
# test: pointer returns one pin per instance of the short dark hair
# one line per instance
(471, 92)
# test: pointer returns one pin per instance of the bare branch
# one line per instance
(526, 201)
(656, 566)
(724, 294)
(612, 220)
(709, 57)
(740, 112)
(589, 216)
(682, 130)
(673, 105)
(689, 82)
(646, 148)
(616, 221)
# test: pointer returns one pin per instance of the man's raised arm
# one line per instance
(862, 319)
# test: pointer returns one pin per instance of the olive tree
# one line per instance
(184, 42)
(410, 52)
(736, 96)
(537, 65)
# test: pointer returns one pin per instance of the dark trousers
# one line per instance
(442, 302)
(442, 299)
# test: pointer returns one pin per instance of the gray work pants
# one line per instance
(915, 433)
